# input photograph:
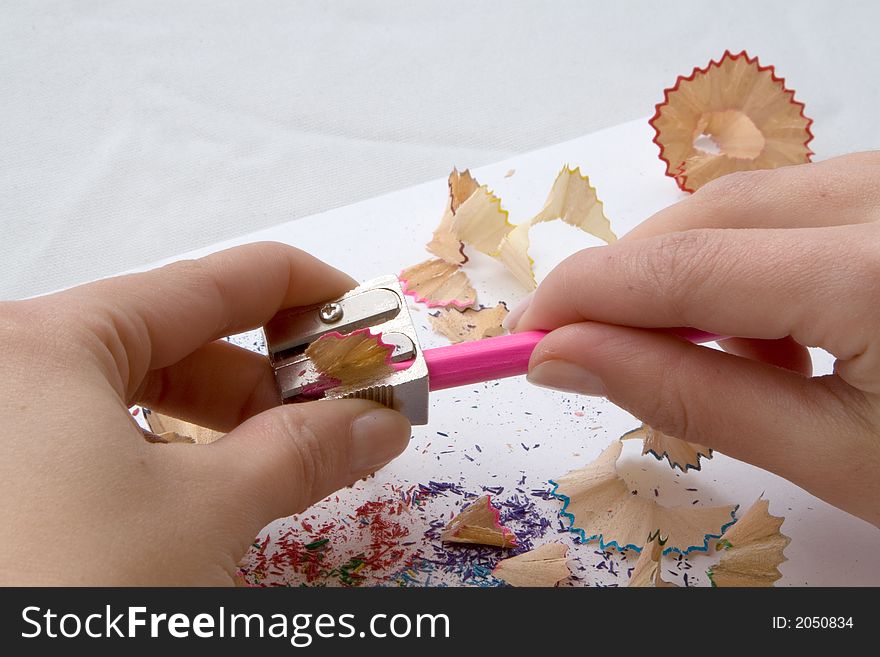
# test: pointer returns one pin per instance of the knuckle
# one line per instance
(743, 198)
(181, 270)
(302, 451)
(869, 257)
(864, 158)
(192, 273)
(680, 264)
(274, 250)
(841, 184)
(202, 277)
(668, 412)
(860, 265)
(734, 184)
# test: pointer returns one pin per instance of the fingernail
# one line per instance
(562, 375)
(377, 436)
(514, 315)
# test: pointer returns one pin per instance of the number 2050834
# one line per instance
(812, 622)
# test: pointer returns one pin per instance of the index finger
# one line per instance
(764, 284)
(161, 316)
(835, 192)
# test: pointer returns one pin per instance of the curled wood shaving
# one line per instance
(444, 243)
(514, 254)
(474, 217)
(733, 115)
(353, 358)
(752, 550)
(573, 200)
(680, 453)
(647, 571)
(169, 437)
(479, 522)
(544, 566)
(481, 222)
(601, 506)
(461, 188)
(469, 324)
(438, 283)
(172, 430)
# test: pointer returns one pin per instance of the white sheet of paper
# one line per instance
(562, 432)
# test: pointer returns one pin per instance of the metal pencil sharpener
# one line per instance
(378, 305)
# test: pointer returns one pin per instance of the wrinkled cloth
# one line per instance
(132, 131)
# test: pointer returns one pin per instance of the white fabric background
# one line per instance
(131, 131)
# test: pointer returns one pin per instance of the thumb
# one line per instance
(753, 411)
(285, 459)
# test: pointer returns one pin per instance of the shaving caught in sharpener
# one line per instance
(378, 305)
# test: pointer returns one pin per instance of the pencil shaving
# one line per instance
(474, 217)
(647, 572)
(469, 324)
(573, 200)
(478, 523)
(481, 222)
(353, 358)
(544, 566)
(680, 453)
(462, 185)
(444, 243)
(600, 505)
(172, 430)
(752, 550)
(732, 115)
(514, 254)
(438, 283)
(169, 437)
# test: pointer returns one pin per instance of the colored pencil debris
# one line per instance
(543, 566)
(680, 453)
(751, 550)
(393, 539)
(479, 523)
(648, 572)
(312, 553)
(732, 115)
(470, 324)
(600, 505)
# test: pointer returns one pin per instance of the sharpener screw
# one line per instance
(330, 313)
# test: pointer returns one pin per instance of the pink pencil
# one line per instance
(497, 358)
